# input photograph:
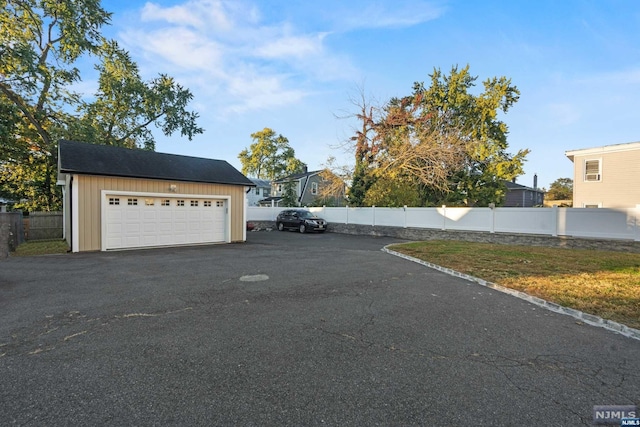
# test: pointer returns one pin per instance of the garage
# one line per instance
(139, 220)
(116, 198)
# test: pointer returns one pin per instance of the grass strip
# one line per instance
(41, 247)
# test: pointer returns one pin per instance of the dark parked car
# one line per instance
(301, 220)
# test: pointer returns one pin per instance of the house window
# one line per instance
(279, 188)
(592, 170)
(114, 200)
(179, 202)
(166, 202)
(194, 203)
(132, 202)
(149, 202)
(207, 203)
(314, 188)
(257, 191)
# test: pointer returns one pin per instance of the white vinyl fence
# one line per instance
(576, 222)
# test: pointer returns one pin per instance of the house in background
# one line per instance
(521, 196)
(607, 176)
(118, 198)
(5, 204)
(308, 189)
(261, 191)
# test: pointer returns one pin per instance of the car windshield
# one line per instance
(306, 215)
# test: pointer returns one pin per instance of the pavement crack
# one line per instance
(134, 315)
(64, 328)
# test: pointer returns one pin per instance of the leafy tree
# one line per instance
(560, 189)
(41, 41)
(365, 150)
(417, 149)
(269, 157)
(289, 195)
(125, 106)
(441, 141)
(391, 191)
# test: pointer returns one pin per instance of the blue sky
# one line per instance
(293, 65)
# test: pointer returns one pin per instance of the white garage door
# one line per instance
(133, 222)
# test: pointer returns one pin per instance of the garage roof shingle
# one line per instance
(92, 159)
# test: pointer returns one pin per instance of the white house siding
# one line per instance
(619, 185)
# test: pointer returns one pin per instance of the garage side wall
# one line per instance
(90, 188)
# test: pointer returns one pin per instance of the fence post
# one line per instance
(492, 228)
(5, 229)
(556, 222)
(405, 216)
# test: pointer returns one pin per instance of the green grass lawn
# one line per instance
(603, 283)
(41, 247)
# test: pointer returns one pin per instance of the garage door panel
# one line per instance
(150, 227)
(180, 227)
(114, 214)
(165, 226)
(131, 241)
(150, 215)
(165, 215)
(131, 214)
(149, 240)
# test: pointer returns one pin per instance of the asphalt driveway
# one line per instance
(290, 329)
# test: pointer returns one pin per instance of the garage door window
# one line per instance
(194, 203)
(114, 200)
(179, 202)
(166, 202)
(132, 202)
(207, 203)
(149, 202)
(219, 204)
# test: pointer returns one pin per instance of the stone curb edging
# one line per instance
(556, 308)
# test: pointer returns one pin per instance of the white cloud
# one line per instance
(229, 52)
(291, 46)
(180, 47)
(395, 14)
(254, 93)
(197, 14)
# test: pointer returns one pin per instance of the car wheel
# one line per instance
(302, 228)
(280, 226)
